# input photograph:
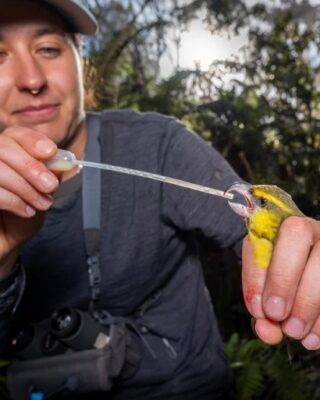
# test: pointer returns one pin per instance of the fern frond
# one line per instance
(249, 381)
(289, 380)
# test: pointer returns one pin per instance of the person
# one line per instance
(150, 272)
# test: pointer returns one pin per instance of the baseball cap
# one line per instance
(79, 17)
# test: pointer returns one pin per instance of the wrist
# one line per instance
(8, 264)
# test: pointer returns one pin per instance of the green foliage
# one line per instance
(271, 116)
(105, 69)
(265, 121)
(264, 372)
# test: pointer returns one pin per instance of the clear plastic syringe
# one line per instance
(65, 160)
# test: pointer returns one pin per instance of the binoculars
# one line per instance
(74, 351)
(67, 328)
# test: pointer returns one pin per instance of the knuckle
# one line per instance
(308, 303)
(33, 165)
(15, 203)
(296, 225)
(4, 146)
(280, 279)
(25, 137)
(29, 194)
(11, 202)
(12, 131)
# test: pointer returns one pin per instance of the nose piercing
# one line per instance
(34, 92)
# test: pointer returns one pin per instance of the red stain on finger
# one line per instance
(248, 296)
(252, 298)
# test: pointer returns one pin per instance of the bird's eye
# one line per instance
(263, 202)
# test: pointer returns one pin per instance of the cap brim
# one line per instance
(79, 18)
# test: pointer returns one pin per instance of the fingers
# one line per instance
(35, 143)
(25, 182)
(15, 192)
(253, 281)
(287, 265)
(312, 339)
(306, 306)
(289, 288)
(268, 331)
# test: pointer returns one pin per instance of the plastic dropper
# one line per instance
(65, 160)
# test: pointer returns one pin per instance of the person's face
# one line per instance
(36, 54)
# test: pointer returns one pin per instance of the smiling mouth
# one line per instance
(243, 210)
(34, 110)
(37, 114)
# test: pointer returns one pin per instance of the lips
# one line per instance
(243, 189)
(37, 112)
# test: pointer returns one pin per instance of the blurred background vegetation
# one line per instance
(260, 109)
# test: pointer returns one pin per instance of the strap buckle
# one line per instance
(94, 276)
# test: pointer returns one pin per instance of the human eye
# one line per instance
(50, 51)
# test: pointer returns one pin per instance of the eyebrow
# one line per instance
(47, 31)
(40, 32)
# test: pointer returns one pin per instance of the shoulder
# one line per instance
(126, 116)
(141, 123)
(134, 132)
(134, 129)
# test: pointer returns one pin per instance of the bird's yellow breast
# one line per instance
(263, 229)
(265, 224)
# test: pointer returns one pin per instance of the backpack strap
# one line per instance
(91, 206)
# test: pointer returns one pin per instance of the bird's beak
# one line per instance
(244, 210)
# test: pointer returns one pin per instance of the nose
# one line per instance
(30, 74)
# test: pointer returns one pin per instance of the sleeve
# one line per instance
(11, 290)
(189, 157)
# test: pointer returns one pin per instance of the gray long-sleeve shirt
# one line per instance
(147, 244)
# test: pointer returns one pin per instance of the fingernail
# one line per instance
(311, 341)
(256, 307)
(30, 211)
(49, 181)
(275, 307)
(294, 327)
(45, 201)
(45, 146)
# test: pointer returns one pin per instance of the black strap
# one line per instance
(91, 206)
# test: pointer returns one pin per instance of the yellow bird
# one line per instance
(267, 206)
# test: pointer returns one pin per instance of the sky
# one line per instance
(199, 45)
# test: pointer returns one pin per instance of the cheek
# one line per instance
(6, 98)
(68, 84)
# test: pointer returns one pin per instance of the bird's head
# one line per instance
(265, 208)
(262, 198)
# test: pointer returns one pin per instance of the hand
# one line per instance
(285, 298)
(25, 187)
